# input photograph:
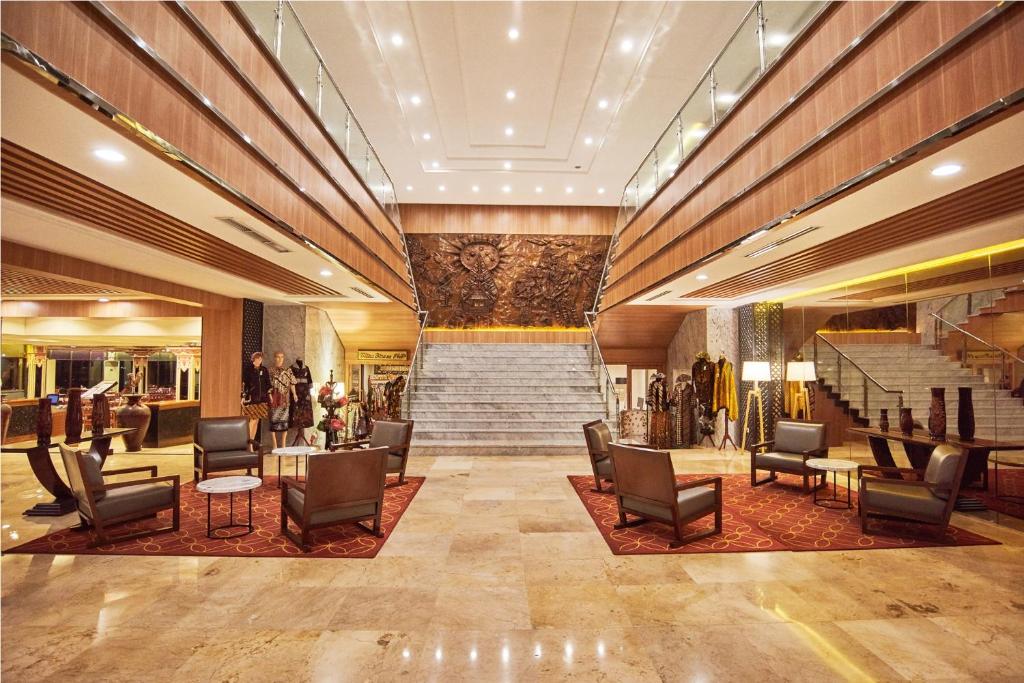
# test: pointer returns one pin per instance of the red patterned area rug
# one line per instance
(266, 540)
(777, 516)
(1011, 483)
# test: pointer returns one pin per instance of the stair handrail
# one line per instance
(939, 321)
(865, 375)
(609, 381)
(417, 357)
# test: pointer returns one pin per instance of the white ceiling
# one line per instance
(458, 58)
(987, 153)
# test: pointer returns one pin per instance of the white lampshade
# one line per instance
(756, 371)
(800, 371)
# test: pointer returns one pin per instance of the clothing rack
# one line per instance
(727, 438)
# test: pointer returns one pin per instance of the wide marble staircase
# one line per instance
(504, 399)
(915, 370)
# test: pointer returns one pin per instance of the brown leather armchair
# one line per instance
(929, 498)
(599, 437)
(340, 486)
(101, 505)
(795, 442)
(222, 444)
(646, 486)
(396, 435)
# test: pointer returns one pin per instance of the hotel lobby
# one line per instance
(512, 341)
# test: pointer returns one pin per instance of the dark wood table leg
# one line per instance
(46, 474)
(918, 454)
(976, 469)
(100, 446)
(880, 451)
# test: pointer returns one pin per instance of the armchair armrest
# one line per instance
(292, 482)
(174, 478)
(887, 470)
(717, 481)
(764, 444)
(348, 445)
(902, 482)
(151, 469)
(814, 452)
(199, 450)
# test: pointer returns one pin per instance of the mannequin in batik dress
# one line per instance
(703, 373)
(282, 393)
(300, 413)
(683, 402)
(657, 404)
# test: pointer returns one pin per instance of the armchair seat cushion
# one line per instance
(604, 467)
(297, 500)
(240, 458)
(889, 498)
(690, 502)
(786, 462)
(125, 501)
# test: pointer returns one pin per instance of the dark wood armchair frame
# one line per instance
(201, 465)
(807, 472)
(678, 522)
(895, 475)
(594, 457)
(403, 448)
(100, 524)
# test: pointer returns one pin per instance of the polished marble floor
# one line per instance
(497, 573)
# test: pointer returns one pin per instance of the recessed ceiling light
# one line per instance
(538, 189)
(103, 300)
(513, 33)
(509, 131)
(568, 190)
(326, 273)
(754, 237)
(247, 139)
(476, 188)
(426, 136)
(408, 188)
(602, 104)
(777, 39)
(397, 40)
(108, 154)
(506, 188)
(441, 188)
(434, 164)
(600, 190)
(206, 101)
(702, 276)
(588, 140)
(947, 169)
(726, 97)
(302, 189)
(626, 46)
(507, 165)
(510, 94)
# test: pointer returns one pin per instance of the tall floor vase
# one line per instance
(965, 414)
(937, 414)
(134, 414)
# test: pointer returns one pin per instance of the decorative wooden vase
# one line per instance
(883, 421)
(965, 414)
(44, 421)
(100, 413)
(137, 415)
(937, 414)
(906, 421)
(5, 420)
(73, 419)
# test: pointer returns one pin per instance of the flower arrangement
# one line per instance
(331, 424)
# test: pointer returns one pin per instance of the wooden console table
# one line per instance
(42, 466)
(919, 447)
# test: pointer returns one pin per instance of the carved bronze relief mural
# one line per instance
(486, 280)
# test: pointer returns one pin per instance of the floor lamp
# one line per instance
(756, 372)
(801, 371)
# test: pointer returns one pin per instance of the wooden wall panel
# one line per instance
(531, 336)
(509, 220)
(220, 382)
(942, 93)
(639, 327)
(641, 358)
(76, 39)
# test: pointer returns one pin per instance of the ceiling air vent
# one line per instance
(658, 296)
(778, 243)
(358, 290)
(249, 232)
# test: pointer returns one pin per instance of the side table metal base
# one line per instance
(834, 503)
(211, 531)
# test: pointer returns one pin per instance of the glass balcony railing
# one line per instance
(765, 31)
(280, 28)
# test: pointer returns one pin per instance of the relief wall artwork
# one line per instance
(495, 280)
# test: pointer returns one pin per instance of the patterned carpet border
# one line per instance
(776, 516)
(344, 540)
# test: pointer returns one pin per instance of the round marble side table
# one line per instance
(289, 452)
(230, 486)
(833, 465)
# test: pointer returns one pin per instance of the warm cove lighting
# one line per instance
(108, 154)
(103, 300)
(947, 169)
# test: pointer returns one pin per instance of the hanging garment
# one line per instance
(657, 403)
(684, 415)
(300, 415)
(393, 392)
(255, 392)
(725, 390)
(703, 374)
(282, 384)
